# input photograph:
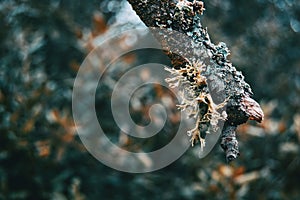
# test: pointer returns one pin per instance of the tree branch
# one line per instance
(217, 91)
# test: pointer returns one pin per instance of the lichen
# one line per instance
(194, 93)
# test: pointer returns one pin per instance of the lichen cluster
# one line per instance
(195, 93)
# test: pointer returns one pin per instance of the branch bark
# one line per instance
(214, 85)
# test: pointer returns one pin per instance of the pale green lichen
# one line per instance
(192, 96)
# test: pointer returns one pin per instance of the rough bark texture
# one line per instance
(215, 84)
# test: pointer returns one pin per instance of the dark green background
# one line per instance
(39, 43)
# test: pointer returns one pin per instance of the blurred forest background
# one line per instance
(42, 44)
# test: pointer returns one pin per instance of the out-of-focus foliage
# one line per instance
(40, 54)
(41, 47)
